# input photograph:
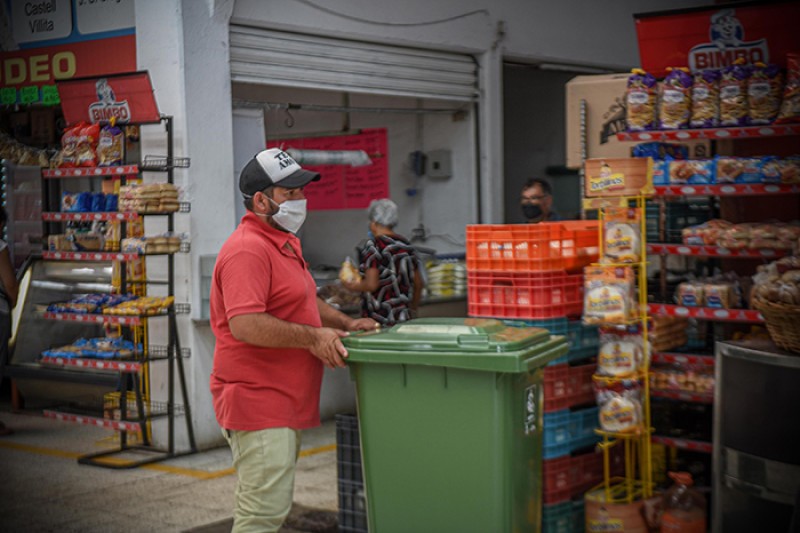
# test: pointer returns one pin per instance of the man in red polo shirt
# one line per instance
(273, 336)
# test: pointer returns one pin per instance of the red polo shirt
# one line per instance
(257, 388)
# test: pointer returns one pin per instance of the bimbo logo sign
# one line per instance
(106, 107)
(727, 44)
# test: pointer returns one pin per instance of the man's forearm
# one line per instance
(331, 317)
(261, 329)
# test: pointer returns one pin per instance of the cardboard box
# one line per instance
(629, 176)
(605, 116)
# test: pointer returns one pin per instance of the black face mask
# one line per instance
(532, 212)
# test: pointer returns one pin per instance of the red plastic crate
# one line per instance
(567, 477)
(569, 245)
(526, 295)
(567, 386)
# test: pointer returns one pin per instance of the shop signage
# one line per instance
(124, 97)
(53, 40)
(618, 177)
(715, 37)
(342, 186)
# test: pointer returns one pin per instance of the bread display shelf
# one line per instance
(682, 396)
(88, 217)
(684, 444)
(93, 364)
(727, 189)
(682, 359)
(713, 251)
(117, 425)
(706, 313)
(88, 172)
(742, 132)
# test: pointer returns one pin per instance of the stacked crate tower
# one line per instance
(531, 275)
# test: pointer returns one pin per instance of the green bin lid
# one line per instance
(473, 343)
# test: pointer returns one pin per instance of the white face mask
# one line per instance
(291, 214)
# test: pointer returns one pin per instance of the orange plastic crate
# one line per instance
(526, 295)
(569, 245)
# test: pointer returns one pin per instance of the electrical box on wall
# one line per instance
(440, 165)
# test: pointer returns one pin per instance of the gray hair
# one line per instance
(383, 212)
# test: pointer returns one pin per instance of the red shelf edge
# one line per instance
(94, 318)
(684, 444)
(691, 397)
(117, 425)
(682, 358)
(56, 216)
(706, 313)
(739, 132)
(726, 189)
(98, 364)
(89, 256)
(713, 251)
(88, 172)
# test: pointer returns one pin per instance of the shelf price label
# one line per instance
(29, 94)
(8, 96)
(50, 95)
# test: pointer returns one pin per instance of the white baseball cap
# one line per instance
(273, 167)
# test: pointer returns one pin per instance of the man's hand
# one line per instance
(328, 346)
(362, 324)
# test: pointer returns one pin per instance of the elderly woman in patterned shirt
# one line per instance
(391, 281)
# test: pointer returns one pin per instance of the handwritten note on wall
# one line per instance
(341, 186)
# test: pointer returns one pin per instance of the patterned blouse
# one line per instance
(396, 261)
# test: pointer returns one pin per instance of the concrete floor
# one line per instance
(43, 488)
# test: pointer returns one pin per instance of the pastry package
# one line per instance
(622, 235)
(111, 146)
(705, 99)
(66, 157)
(667, 333)
(609, 295)
(738, 169)
(764, 87)
(640, 99)
(675, 100)
(660, 172)
(690, 294)
(694, 171)
(721, 295)
(733, 95)
(790, 107)
(620, 405)
(622, 351)
(789, 170)
(85, 154)
(349, 272)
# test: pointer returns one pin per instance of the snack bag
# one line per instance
(640, 100)
(609, 295)
(676, 102)
(620, 406)
(705, 99)
(733, 95)
(66, 157)
(660, 151)
(790, 107)
(85, 155)
(349, 271)
(622, 235)
(660, 173)
(737, 169)
(770, 170)
(110, 146)
(764, 89)
(690, 294)
(621, 351)
(789, 169)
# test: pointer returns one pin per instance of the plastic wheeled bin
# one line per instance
(450, 420)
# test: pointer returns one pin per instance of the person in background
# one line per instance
(391, 280)
(537, 202)
(273, 336)
(8, 299)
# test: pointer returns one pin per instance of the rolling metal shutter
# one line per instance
(299, 60)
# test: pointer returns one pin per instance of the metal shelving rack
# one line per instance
(133, 371)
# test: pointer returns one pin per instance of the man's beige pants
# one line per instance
(265, 463)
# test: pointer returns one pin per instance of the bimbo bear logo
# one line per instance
(107, 106)
(727, 44)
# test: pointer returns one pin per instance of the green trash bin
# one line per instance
(451, 424)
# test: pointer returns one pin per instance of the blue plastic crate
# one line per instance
(566, 517)
(566, 431)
